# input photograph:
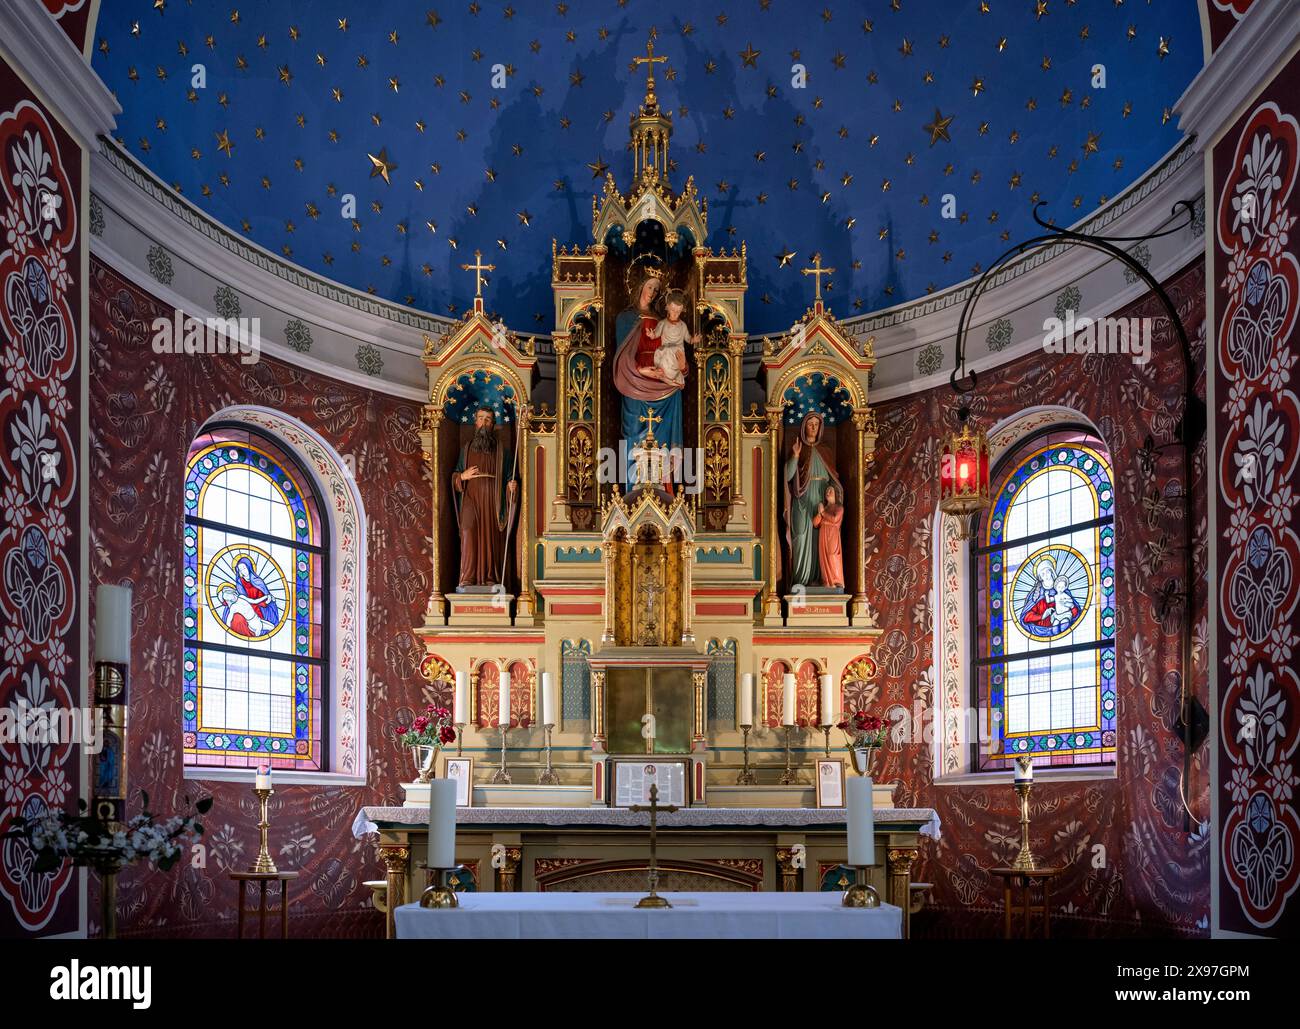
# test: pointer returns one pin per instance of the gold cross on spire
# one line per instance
(649, 60)
(650, 420)
(818, 271)
(478, 267)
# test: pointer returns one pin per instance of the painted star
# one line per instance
(598, 168)
(224, 143)
(381, 165)
(750, 56)
(1090, 144)
(938, 128)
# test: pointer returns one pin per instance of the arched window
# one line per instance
(1043, 568)
(256, 625)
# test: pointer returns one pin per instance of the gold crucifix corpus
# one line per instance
(818, 271)
(652, 899)
(478, 267)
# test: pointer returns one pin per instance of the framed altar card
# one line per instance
(632, 777)
(460, 769)
(830, 782)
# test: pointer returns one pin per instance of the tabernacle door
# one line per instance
(666, 693)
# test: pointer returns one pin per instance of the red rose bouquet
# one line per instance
(863, 730)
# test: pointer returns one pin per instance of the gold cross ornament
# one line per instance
(478, 267)
(818, 271)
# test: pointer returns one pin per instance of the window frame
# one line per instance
(979, 657)
(283, 456)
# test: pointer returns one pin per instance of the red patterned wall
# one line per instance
(1150, 877)
(145, 410)
(1223, 16)
(1257, 346)
(41, 320)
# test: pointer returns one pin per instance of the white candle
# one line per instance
(862, 821)
(442, 823)
(747, 699)
(503, 699)
(827, 700)
(550, 700)
(113, 624)
(461, 701)
(1024, 770)
(262, 779)
(788, 693)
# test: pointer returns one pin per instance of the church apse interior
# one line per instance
(831, 466)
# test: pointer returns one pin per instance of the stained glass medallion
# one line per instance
(252, 623)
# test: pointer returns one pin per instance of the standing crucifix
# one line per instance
(818, 271)
(652, 899)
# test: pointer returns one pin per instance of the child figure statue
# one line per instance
(830, 554)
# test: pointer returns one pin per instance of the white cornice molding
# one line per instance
(1238, 69)
(140, 198)
(33, 43)
(203, 311)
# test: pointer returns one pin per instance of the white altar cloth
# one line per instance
(612, 916)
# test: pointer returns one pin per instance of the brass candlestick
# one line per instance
(548, 776)
(264, 862)
(460, 738)
(438, 895)
(826, 732)
(861, 894)
(1024, 861)
(502, 774)
(789, 777)
(746, 778)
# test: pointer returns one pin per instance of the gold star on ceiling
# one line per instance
(938, 127)
(381, 165)
(750, 56)
(224, 143)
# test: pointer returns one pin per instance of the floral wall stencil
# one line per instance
(146, 409)
(40, 504)
(1257, 479)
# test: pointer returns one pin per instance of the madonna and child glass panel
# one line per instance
(1045, 603)
(252, 626)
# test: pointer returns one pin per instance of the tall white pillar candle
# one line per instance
(827, 698)
(788, 693)
(503, 699)
(1024, 770)
(550, 700)
(113, 624)
(262, 778)
(442, 823)
(862, 821)
(747, 699)
(461, 701)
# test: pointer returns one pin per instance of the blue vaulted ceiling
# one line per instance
(393, 103)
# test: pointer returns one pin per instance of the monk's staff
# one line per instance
(510, 509)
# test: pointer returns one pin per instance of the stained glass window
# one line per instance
(1044, 569)
(253, 625)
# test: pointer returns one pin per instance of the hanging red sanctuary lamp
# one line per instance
(964, 465)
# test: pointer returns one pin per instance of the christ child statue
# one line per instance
(672, 333)
(828, 521)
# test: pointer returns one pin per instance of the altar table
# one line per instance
(603, 850)
(613, 916)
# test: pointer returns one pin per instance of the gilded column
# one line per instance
(700, 679)
(610, 556)
(900, 882)
(787, 860)
(524, 605)
(434, 612)
(396, 859)
(688, 567)
(561, 346)
(864, 420)
(508, 872)
(598, 708)
(736, 348)
(773, 607)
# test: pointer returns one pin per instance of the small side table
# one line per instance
(264, 879)
(1013, 877)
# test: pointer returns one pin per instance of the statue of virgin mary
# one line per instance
(648, 398)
